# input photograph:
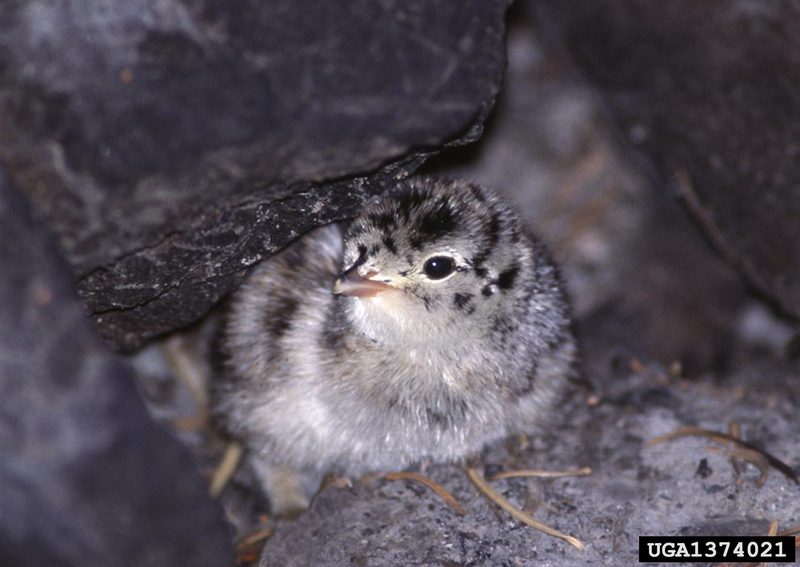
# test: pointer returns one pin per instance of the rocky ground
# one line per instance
(686, 486)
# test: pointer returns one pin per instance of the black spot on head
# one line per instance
(362, 250)
(507, 277)
(438, 222)
(383, 221)
(493, 230)
(460, 300)
(477, 192)
(416, 241)
(492, 234)
(435, 224)
(409, 200)
(487, 290)
(390, 244)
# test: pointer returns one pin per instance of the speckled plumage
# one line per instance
(399, 367)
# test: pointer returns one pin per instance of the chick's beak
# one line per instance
(350, 283)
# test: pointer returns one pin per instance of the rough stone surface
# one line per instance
(171, 145)
(708, 92)
(86, 478)
(674, 488)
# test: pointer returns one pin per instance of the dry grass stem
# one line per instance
(191, 423)
(227, 467)
(741, 449)
(583, 471)
(773, 528)
(257, 537)
(490, 493)
(440, 490)
(186, 369)
(791, 531)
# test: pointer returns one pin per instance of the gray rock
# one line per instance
(86, 478)
(708, 93)
(171, 145)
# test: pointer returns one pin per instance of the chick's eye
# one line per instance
(439, 267)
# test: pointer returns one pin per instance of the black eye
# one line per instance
(439, 267)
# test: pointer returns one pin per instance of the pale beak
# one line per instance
(356, 286)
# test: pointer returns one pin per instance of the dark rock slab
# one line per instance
(86, 478)
(171, 145)
(708, 92)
